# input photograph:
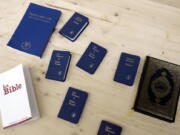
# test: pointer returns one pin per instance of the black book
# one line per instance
(158, 90)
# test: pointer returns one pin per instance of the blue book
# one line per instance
(74, 27)
(127, 69)
(58, 66)
(73, 105)
(107, 128)
(92, 58)
(35, 29)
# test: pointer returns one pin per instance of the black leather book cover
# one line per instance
(158, 90)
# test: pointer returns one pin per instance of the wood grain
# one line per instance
(175, 3)
(141, 27)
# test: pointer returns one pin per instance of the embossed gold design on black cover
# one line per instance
(159, 88)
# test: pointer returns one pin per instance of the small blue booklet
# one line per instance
(92, 58)
(127, 69)
(58, 66)
(35, 29)
(74, 27)
(107, 128)
(73, 105)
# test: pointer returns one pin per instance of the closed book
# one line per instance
(73, 105)
(17, 98)
(35, 29)
(107, 128)
(127, 69)
(159, 88)
(74, 27)
(92, 58)
(58, 66)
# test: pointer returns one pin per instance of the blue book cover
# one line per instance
(74, 27)
(107, 128)
(127, 69)
(35, 29)
(58, 66)
(92, 58)
(73, 105)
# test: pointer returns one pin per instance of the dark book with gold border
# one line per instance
(159, 88)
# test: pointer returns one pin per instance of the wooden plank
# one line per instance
(174, 3)
(139, 27)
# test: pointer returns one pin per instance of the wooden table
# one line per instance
(140, 27)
